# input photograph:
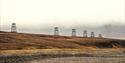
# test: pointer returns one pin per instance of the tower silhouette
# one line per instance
(92, 35)
(56, 31)
(73, 32)
(85, 34)
(13, 28)
(100, 36)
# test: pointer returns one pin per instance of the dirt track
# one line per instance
(82, 60)
(62, 59)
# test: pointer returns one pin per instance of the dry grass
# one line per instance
(21, 41)
(63, 51)
(60, 56)
(27, 47)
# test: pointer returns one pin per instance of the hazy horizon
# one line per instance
(107, 30)
(40, 16)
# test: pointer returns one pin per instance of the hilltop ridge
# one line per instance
(14, 41)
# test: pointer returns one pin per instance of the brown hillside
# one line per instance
(10, 41)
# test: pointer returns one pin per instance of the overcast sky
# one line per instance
(62, 12)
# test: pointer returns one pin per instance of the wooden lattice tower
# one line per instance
(13, 28)
(92, 35)
(100, 36)
(56, 31)
(85, 33)
(73, 32)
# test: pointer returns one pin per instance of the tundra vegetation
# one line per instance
(40, 48)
